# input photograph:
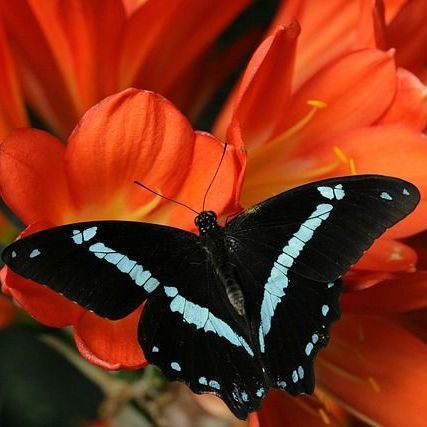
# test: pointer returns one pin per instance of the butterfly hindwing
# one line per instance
(192, 333)
(109, 267)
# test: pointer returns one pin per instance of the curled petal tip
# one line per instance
(391, 52)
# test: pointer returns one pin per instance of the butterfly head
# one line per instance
(206, 221)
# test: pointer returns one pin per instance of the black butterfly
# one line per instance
(236, 310)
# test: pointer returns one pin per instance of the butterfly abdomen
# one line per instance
(214, 243)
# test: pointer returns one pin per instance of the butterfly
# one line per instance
(234, 310)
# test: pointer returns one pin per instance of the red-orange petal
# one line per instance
(43, 304)
(407, 33)
(161, 40)
(44, 61)
(110, 344)
(223, 194)
(32, 176)
(357, 89)
(404, 293)
(280, 409)
(409, 107)
(258, 105)
(371, 26)
(328, 29)
(134, 135)
(92, 31)
(388, 255)
(377, 370)
(12, 109)
(380, 150)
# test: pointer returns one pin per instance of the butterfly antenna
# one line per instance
(216, 173)
(164, 197)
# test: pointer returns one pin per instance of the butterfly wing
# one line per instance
(108, 267)
(186, 329)
(291, 250)
(194, 335)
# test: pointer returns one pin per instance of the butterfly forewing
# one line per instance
(108, 267)
(328, 224)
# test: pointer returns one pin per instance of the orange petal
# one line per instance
(134, 135)
(357, 89)
(371, 26)
(132, 5)
(43, 304)
(388, 255)
(161, 40)
(377, 370)
(356, 280)
(32, 176)
(407, 33)
(110, 344)
(409, 107)
(404, 293)
(380, 150)
(223, 194)
(12, 109)
(44, 60)
(92, 32)
(280, 409)
(328, 29)
(259, 104)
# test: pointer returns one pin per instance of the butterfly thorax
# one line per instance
(214, 242)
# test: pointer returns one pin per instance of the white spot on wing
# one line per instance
(34, 253)
(13, 254)
(309, 348)
(203, 381)
(405, 192)
(83, 236)
(176, 366)
(325, 309)
(214, 384)
(386, 196)
(294, 376)
(260, 392)
(155, 349)
(332, 193)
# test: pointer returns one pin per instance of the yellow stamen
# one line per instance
(340, 154)
(282, 144)
(317, 103)
(344, 159)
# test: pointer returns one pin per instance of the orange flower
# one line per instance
(132, 135)
(320, 110)
(71, 54)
